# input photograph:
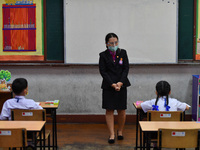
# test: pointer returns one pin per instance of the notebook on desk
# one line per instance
(138, 102)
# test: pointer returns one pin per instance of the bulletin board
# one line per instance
(22, 30)
(198, 32)
(147, 29)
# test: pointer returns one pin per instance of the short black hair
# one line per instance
(110, 35)
(19, 85)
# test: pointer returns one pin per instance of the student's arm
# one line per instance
(37, 106)
(147, 105)
(5, 113)
(139, 106)
(182, 106)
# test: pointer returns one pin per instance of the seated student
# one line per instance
(20, 89)
(163, 102)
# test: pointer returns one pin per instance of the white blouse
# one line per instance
(174, 104)
(23, 103)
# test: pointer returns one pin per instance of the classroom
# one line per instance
(78, 85)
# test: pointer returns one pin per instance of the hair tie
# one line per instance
(155, 107)
(167, 108)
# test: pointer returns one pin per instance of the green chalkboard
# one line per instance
(185, 29)
(54, 29)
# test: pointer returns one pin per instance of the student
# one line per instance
(20, 89)
(163, 102)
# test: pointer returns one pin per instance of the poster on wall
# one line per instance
(22, 30)
(198, 32)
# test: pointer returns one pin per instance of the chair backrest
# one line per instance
(164, 115)
(13, 137)
(178, 138)
(28, 114)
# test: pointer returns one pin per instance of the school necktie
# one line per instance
(17, 98)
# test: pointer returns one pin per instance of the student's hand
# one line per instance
(187, 108)
(139, 106)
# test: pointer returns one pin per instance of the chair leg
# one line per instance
(49, 142)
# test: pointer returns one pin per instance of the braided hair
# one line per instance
(163, 88)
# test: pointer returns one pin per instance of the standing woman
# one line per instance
(114, 67)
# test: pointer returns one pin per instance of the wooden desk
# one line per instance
(147, 126)
(153, 126)
(139, 116)
(31, 126)
(51, 109)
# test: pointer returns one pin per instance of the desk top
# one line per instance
(29, 125)
(155, 125)
(43, 105)
(5, 91)
(134, 104)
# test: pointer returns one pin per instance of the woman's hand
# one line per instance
(115, 86)
(119, 84)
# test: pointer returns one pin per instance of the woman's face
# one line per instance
(112, 42)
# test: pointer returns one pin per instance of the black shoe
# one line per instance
(111, 141)
(119, 137)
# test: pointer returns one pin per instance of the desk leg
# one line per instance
(54, 129)
(140, 132)
(40, 134)
(35, 139)
(148, 137)
(144, 137)
(55, 126)
(137, 122)
(44, 145)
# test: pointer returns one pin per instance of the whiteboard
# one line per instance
(147, 29)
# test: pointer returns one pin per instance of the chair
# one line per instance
(13, 138)
(165, 115)
(178, 138)
(31, 115)
(28, 114)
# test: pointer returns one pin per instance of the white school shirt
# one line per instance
(23, 103)
(174, 104)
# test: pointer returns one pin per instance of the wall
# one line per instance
(78, 87)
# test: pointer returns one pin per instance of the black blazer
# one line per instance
(113, 72)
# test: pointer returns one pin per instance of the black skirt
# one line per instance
(114, 100)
